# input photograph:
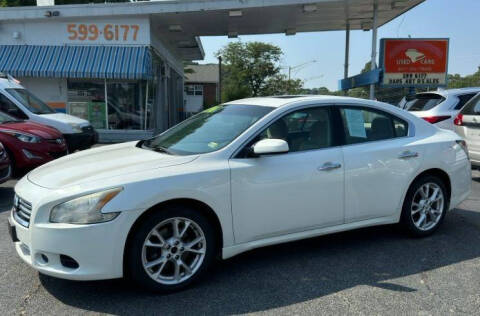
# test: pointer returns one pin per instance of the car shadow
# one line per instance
(286, 274)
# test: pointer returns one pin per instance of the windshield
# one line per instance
(4, 118)
(424, 102)
(207, 131)
(31, 102)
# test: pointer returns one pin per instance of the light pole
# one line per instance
(299, 67)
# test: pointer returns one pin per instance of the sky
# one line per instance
(455, 19)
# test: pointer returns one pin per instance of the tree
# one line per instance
(21, 3)
(457, 81)
(248, 67)
(280, 84)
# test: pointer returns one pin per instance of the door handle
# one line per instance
(329, 166)
(408, 154)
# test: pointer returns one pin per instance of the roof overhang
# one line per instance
(181, 22)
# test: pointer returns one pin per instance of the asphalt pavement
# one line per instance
(368, 271)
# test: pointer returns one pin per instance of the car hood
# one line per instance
(36, 129)
(101, 163)
(65, 118)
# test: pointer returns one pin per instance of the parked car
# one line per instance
(235, 177)
(20, 103)
(440, 107)
(5, 167)
(30, 144)
(467, 125)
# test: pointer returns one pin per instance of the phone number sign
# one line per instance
(409, 62)
(105, 33)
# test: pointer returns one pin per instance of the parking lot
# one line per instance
(369, 271)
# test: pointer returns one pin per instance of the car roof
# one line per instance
(279, 101)
(453, 91)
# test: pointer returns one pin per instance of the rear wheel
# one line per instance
(171, 249)
(425, 206)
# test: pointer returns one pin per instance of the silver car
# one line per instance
(442, 106)
(467, 125)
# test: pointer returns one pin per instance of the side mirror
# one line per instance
(270, 146)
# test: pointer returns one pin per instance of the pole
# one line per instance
(219, 98)
(374, 47)
(347, 52)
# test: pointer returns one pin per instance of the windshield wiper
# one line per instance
(161, 149)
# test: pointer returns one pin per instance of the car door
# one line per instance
(291, 192)
(380, 160)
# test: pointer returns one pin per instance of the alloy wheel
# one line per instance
(174, 250)
(427, 206)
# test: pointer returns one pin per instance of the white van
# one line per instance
(20, 103)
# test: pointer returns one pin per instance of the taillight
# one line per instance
(458, 120)
(464, 146)
(435, 119)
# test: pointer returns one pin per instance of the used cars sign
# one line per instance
(414, 62)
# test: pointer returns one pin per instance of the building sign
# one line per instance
(92, 32)
(414, 62)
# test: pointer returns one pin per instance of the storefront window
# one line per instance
(130, 103)
(86, 99)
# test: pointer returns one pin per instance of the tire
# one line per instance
(143, 261)
(417, 206)
(13, 170)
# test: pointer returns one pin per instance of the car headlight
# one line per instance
(22, 136)
(75, 127)
(85, 209)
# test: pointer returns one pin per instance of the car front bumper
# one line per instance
(98, 249)
(81, 141)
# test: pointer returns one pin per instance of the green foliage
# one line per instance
(17, 3)
(20, 3)
(279, 84)
(457, 81)
(247, 68)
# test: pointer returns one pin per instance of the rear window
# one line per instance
(424, 102)
(472, 107)
(463, 99)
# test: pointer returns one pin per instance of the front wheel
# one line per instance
(170, 249)
(425, 206)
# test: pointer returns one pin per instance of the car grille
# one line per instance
(57, 141)
(87, 129)
(22, 210)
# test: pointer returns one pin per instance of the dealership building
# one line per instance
(120, 65)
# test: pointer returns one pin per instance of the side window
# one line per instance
(7, 106)
(305, 129)
(464, 98)
(364, 125)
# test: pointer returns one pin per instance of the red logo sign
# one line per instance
(410, 55)
(414, 62)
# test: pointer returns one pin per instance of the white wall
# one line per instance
(55, 32)
(49, 90)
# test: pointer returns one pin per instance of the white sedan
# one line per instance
(238, 176)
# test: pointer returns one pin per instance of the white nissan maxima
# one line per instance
(238, 176)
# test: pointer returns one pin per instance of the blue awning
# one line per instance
(110, 62)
